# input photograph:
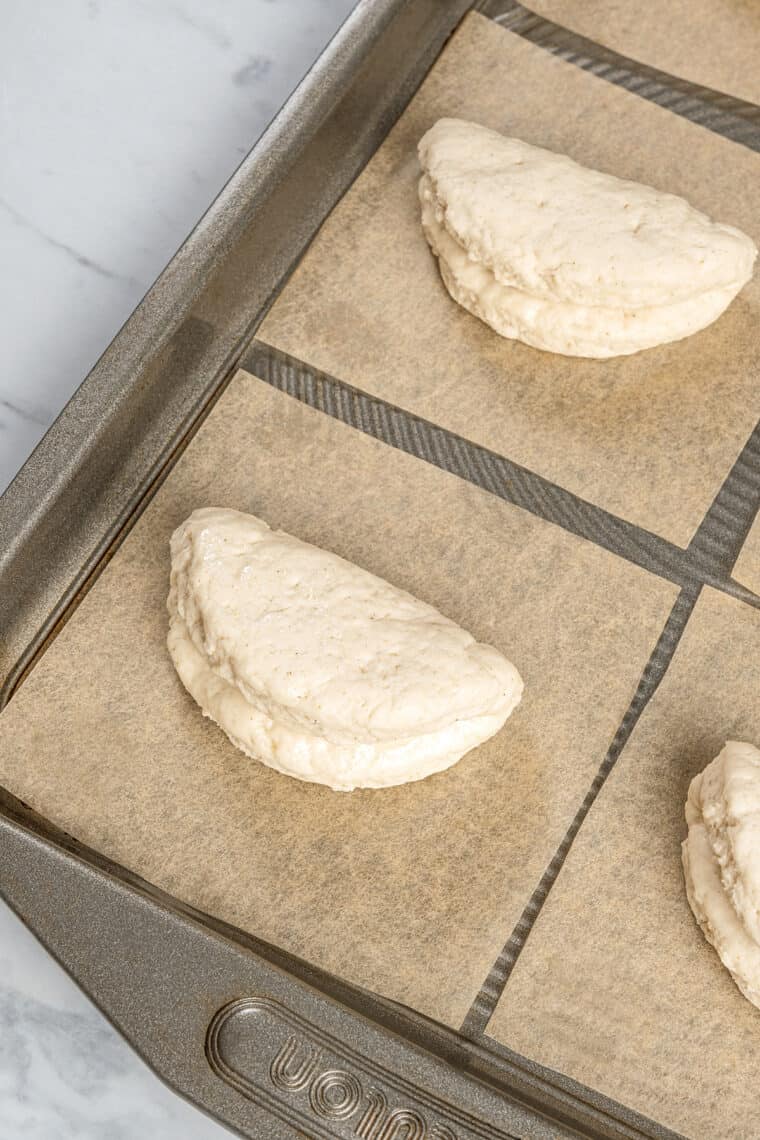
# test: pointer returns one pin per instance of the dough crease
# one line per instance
(317, 667)
(567, 259)
(721, 860)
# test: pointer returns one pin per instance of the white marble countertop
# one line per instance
(119, 122)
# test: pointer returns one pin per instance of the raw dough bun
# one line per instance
(317, 667)
(569, 259)
(721, 858)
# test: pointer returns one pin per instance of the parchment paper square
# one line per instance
(409, 891)
(616, 986)
(650, 437)
(715, 43)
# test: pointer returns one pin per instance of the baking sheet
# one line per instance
(616, 985)
(409, 891)
(747, 569)
(715, 43)
(649, 437)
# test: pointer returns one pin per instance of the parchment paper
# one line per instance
(649, 437)
(747, 569)
(616, 985)
(409, 891)
(712, 42)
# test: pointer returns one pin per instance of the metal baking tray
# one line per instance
(265, 1042)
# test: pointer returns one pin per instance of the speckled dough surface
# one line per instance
(616, 985)
(712, 42)
(649, 437)
(410, 890)
(319, 669)
(721, 860)
(565, 258)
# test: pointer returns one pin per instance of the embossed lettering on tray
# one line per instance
(314, 1082)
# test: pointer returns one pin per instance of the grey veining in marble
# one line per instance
(119, 122)
(65, 1074)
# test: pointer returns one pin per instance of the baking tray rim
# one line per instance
(151, 314)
